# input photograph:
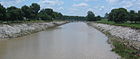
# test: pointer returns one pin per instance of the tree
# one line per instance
(43, 15)
(106, 16)
(90, 16)
(35, 9)
(49, 12)
(57, 15)
(98, 18)
(2, 13)
(132, 16)
(74, 18)
(60, 16)
(119, 15)
(138, 19)
(14, 13)
(26, 11)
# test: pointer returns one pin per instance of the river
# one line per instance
(74, 40)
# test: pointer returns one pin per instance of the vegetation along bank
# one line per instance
(127, 38)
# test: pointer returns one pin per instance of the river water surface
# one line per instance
(74, 40)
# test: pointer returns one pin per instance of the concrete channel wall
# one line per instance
(129, 36)
(17, 30)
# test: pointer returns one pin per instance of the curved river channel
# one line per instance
(74, 40)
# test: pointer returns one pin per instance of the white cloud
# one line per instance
(101, 8)
(127, 4)
(89, 9)
(8, 3)
(50, 7)
(60, 8)
(90, 0)
(51, 2)
(85, 0)
(112, 1)
(72, 10)
(80, 5)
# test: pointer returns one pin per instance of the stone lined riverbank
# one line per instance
(128, 36)
(17, 30)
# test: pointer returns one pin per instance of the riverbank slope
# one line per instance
(17, 30)
(126, 40)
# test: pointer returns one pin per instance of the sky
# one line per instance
(77, 7)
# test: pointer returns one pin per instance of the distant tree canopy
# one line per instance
(74, 18)
(98, 18)
(2, 12)
(44, 14)
(121, 15)
(138, 19)
(35, 8)
(106, 15)
(32, 12)
(26, 12)
(118, 15)
(49, 14)
(14, 13)
(91, 16)
(134, 17)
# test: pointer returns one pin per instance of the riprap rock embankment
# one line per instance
(17, 30)
(129, 36)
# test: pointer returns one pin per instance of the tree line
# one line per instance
(121, 15)
(91, 16)
(118, 15)
(32, 12)
(74, 18)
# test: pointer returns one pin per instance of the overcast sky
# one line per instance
(78, 7)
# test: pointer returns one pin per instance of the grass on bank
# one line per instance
(119, 48)
(123, 51)
(132, 25)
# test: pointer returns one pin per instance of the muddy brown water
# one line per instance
(74, 40)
